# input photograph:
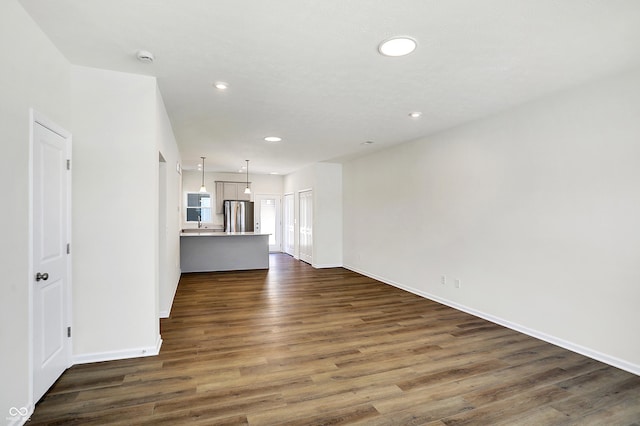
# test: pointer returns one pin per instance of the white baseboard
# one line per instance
(326, 265)
(120, 354)
(588, 352)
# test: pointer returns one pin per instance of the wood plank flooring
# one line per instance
(299, 346)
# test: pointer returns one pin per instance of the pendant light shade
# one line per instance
(247, 190)
(203, 188)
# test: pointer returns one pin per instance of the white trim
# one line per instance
(327, 265)
(37, 117)
(582, 350)
(120, 354)
(31, 403)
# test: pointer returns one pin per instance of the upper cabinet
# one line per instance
(230, 191)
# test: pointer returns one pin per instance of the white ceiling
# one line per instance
(309, 71)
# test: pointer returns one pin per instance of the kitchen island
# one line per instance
(208, 251)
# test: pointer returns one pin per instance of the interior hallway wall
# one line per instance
(115, 215)
(170, 270)
(33, 74)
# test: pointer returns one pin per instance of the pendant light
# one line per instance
(203, 188)
(247, 190)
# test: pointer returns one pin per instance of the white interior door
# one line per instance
(50, 292)
(288, 224)
(267, 218)
(306, 226)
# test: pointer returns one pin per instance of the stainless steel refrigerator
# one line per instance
(238, 216)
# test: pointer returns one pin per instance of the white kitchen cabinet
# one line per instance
(230, 191)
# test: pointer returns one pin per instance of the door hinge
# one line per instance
(68, 331)
(68, 248)
(68, 164)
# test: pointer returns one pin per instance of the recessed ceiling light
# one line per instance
(367, 143)
(272, 139)
(274, 173)
(415, 114)
(144, 56)
(221, 85)
(397, 46)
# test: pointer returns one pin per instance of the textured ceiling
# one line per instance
(309, 72)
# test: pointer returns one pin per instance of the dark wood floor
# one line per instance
(299, 346)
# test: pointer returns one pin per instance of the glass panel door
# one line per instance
(267, 217)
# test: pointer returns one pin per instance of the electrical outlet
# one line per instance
(443, 279)
(458, 283)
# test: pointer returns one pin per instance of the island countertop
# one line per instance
(210, 233)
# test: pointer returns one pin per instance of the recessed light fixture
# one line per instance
(272, 139)
(397, 46)
(274, 173)
(415, 114)
(145, 56)
(367, 143)
(221, 85)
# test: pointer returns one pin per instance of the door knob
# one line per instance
(42, 277)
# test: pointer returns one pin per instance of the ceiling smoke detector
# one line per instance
(144, 56)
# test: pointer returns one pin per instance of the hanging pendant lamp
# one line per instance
(247, 190)
(203, 188)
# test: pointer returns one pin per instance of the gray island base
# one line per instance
(223, 251)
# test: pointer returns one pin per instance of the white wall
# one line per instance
(115, 214)
(192, 180)
(327, 216)
(325, 179)
(536, 210)
(170, 194)
(32, 74)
